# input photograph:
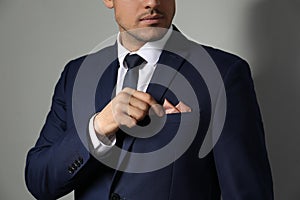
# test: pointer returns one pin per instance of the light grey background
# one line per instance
(38, 37)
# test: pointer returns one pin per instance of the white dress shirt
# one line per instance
(150, 52)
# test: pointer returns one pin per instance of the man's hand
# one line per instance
(127, 108)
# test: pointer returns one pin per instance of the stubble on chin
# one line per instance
(141, 36)
(148, 34)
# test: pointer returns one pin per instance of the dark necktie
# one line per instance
(132, 74)
(131, 77)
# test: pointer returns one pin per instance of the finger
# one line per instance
(147, 98)
(138, 103)
(140, 95)
(124, 110)
(128, 121)
(136, 113)
(143, 96)
(158, 109)
(129, 91)
(129, 110)
(125, 120)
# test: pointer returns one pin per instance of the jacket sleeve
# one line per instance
(53, 164)
(240, 153)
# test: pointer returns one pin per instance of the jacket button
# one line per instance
(115, 196)
(70, 170)
(77, 163)
(74, 166)
(80, 159)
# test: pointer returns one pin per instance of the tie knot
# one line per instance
(133, 60)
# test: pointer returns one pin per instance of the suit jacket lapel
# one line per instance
(171, 60)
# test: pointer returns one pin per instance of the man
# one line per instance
(236, 168)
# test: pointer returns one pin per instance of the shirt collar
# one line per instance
(150, 51)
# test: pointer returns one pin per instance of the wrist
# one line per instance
(104, 128)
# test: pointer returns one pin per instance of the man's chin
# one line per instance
(148, 34)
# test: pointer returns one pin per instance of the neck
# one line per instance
(131, 43)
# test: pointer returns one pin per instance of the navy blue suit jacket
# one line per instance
(237, 168)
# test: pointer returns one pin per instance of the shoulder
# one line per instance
(222, 56)
(107, 55)
(224, 60)
(93, 58)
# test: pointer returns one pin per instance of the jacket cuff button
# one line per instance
(77, 163)
(70, 170)
(80, 159)
(74, 166)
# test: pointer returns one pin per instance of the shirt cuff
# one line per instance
(102, 144)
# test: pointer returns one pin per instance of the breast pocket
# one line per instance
(178, 126)
(181, 126)
(186, 119)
